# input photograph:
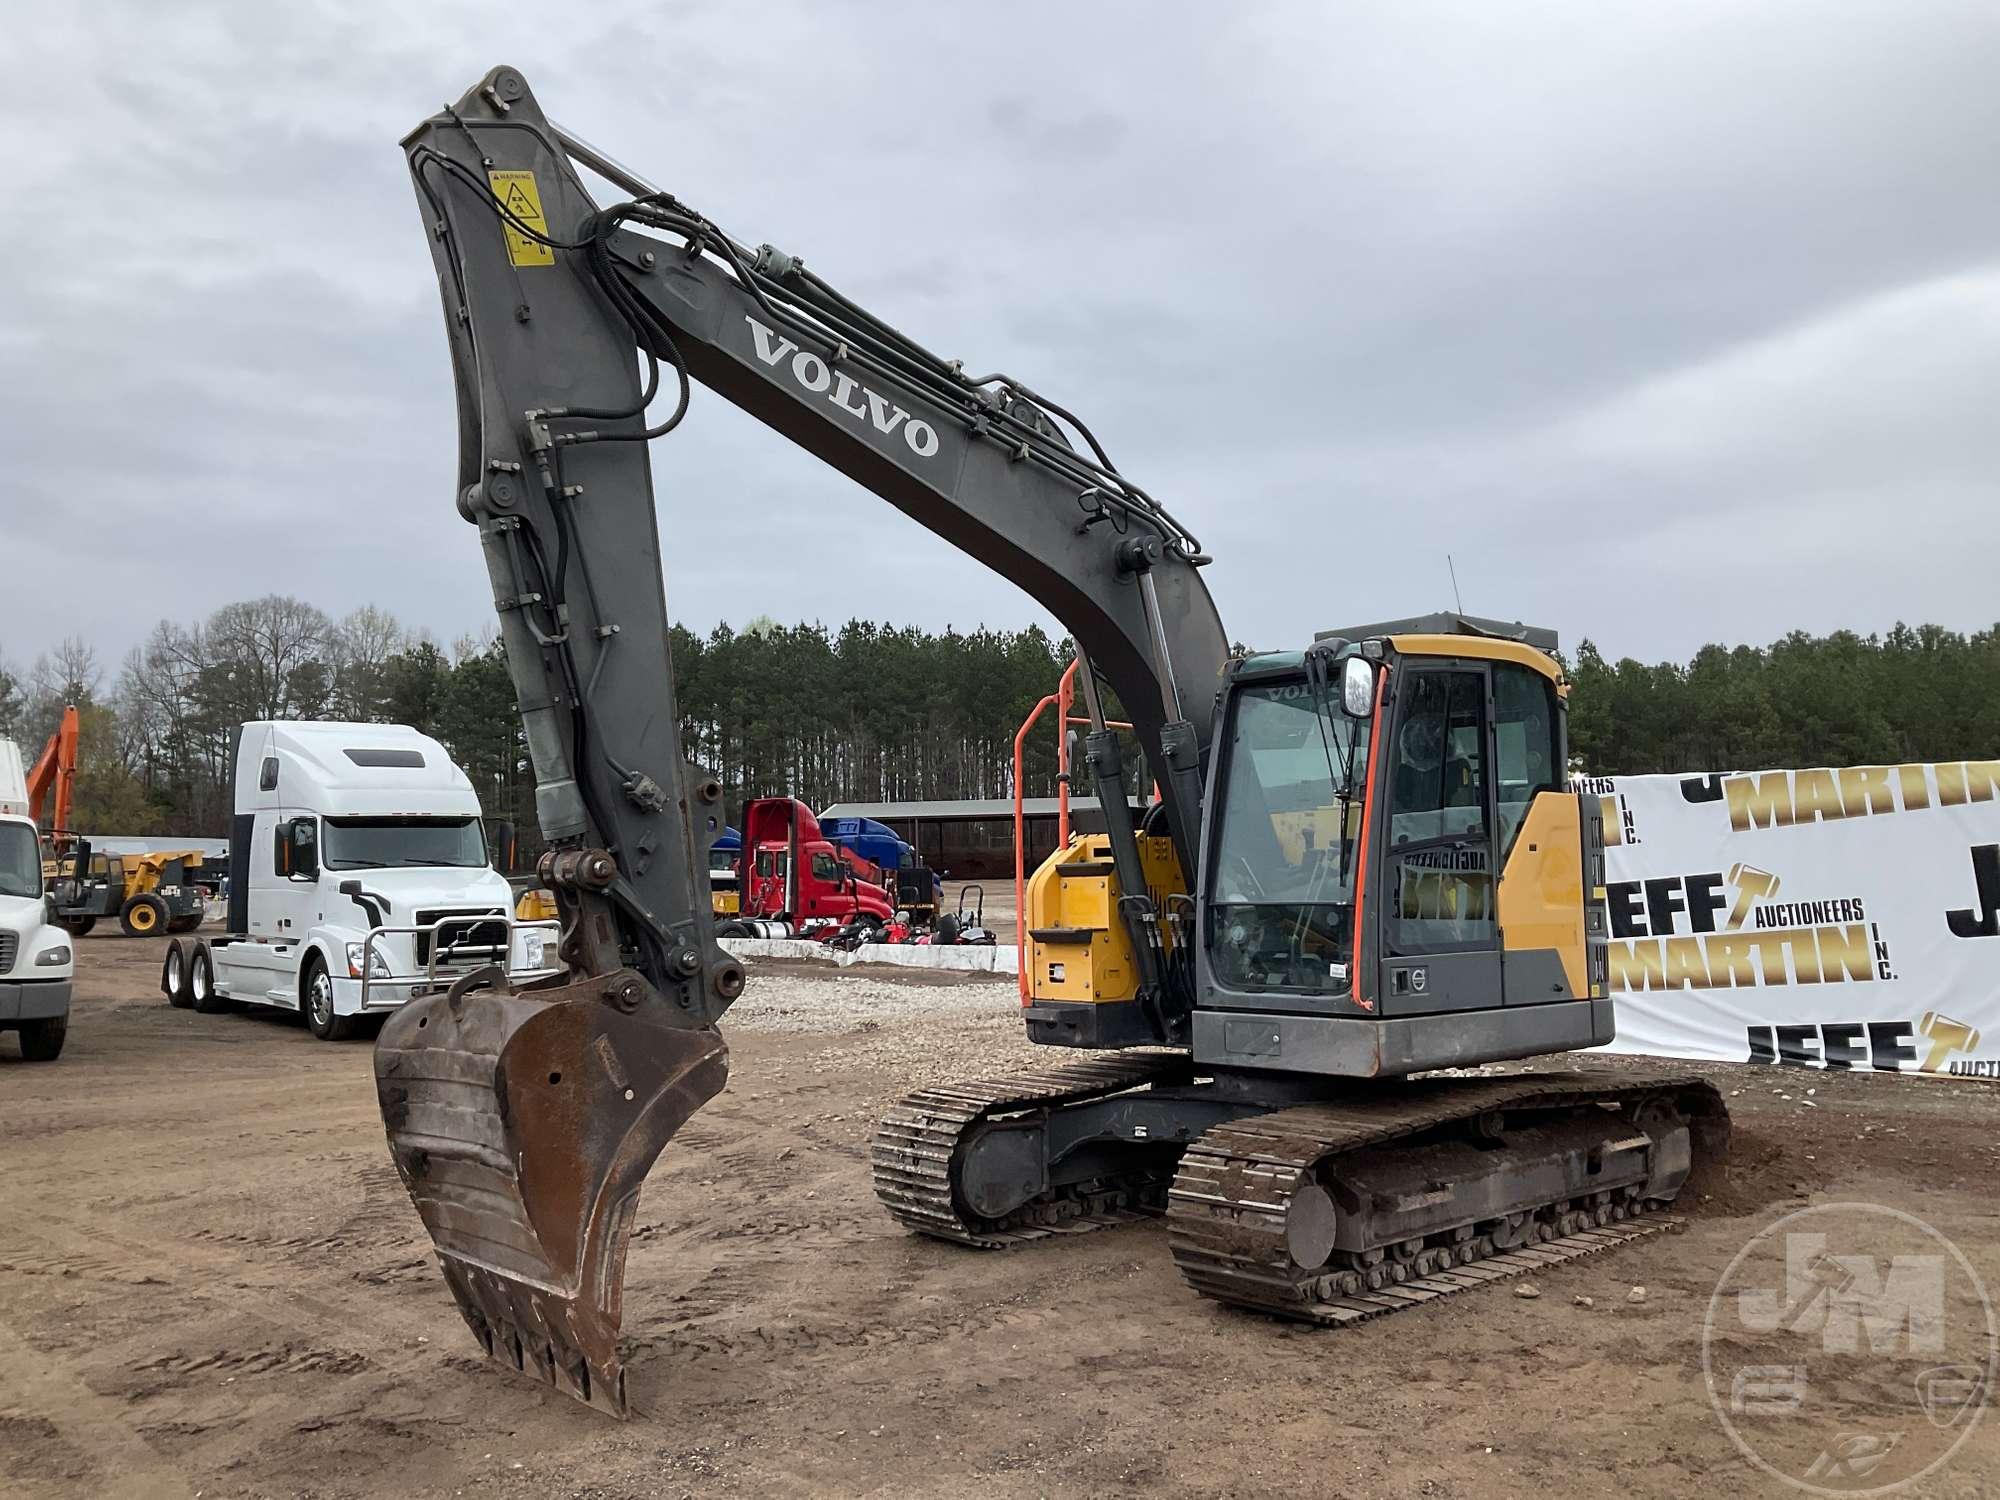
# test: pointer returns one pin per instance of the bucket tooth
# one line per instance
(523, 1125)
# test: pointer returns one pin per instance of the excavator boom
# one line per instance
(55, 770)
(523, 1123)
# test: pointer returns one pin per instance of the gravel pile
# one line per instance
(905, 1034)
(790, 1000)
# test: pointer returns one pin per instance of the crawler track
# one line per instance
(918, 1138)
(1227, 1210)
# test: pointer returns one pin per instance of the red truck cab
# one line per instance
(790, 872)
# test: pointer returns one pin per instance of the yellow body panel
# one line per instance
(537, 905)
(724, 901)
(1480, 648)
(1541, 887)
(1082, 951)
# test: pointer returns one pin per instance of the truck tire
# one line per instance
(143, 916)
(42, 1041)
(78, 926)
(316, 1000)
(201, 983)
(174, 977)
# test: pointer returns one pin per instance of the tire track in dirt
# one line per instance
(296, 1312)
(96, 1425)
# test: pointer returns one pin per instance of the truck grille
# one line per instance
(9, 943)
(469, 936)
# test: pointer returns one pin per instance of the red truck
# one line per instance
(790, 873)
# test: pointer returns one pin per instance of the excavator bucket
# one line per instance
(523, 1125)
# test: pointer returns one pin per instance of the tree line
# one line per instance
(874, 712)
(865, 713)
(1917, 693)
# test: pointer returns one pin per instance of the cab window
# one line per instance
(1440, 854)
(20, 861)
(1440, 763)
(826, 868)
(1524, 745)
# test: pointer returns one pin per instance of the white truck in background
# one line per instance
(37, 960)
(359, 879)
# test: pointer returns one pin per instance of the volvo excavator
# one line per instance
(1363, 863)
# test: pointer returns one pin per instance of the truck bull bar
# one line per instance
(432, 979)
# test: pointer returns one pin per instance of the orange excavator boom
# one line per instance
(56, 768)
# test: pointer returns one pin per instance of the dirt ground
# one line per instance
(211, 1284)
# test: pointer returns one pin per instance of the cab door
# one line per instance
(1440, 940)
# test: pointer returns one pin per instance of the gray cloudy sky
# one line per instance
(1672, 322)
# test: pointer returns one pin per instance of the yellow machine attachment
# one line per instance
(142, 871)
(1078, 949)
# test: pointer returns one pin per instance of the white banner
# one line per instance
(1829, 918)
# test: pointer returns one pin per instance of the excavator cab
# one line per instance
(1393, 873)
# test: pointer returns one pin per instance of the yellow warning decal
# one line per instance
(519, 195)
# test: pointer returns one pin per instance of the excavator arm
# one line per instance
(523, 1122)
(55, 770)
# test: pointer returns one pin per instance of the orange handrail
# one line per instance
(1020, 848)
(1064, 697)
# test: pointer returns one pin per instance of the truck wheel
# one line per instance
(174, 977)
(316, 993)
(42, 1041)
(78, 926)
(201, 982)
(143, 916)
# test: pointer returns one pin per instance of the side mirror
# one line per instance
(1357, 687)
(506, 848)
(298, 850)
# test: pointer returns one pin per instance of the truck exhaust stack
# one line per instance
(523, 1125)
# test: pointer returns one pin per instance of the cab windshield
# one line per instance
(394, 843)
(20, 861)
(1281, 898)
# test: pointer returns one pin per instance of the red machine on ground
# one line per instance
(790, 873)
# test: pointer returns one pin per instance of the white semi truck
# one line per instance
(37, 961)
(359, 879)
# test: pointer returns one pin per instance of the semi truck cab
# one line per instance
(792, 874)
(360, 879)
(37, 960)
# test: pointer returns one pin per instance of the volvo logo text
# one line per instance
(841, 390)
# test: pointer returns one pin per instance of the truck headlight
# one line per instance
(378, 966)
(49, 958)
(533, 946)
